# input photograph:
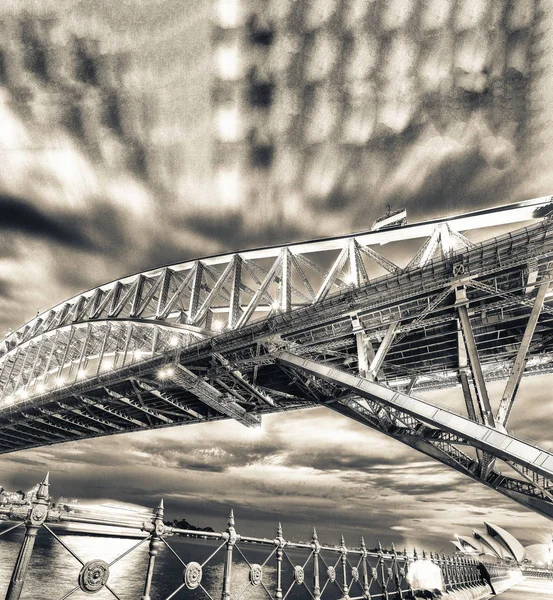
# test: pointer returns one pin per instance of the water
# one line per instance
(53, 572)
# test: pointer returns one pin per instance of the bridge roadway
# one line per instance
(529, 589)
(228, 337)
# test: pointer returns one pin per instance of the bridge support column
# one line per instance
(227, 572)
(365, 352)
(36, 517)
(385, 345)
(155, 543)
(508, 397)
(474, 360)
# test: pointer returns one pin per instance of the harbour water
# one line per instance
(53, 572)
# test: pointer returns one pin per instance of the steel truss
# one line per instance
(217, 338)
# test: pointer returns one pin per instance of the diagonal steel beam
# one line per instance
(491, 442)
(378, 360)
(509, 394)
(474, 360)
(500, 445)
(172, 401)
(213, 397)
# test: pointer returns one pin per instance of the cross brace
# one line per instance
(497, 444)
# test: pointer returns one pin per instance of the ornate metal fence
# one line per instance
(286, 569)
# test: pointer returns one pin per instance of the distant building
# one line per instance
(494, 541)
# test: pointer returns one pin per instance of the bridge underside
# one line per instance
(458, 313)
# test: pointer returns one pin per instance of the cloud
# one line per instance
(24, 218)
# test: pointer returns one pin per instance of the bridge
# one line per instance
(357, 323)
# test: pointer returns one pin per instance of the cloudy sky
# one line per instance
(83, 202)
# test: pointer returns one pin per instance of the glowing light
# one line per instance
(164, 373)
(228, 185)
(227, 124)
(174, 341)
(40, 388)
(425, 575)
(227, 11)
(254, 433)
(227, 59)
(8, 400)
(60, 381)
(217, 325)
(107, 366)
(275, 305)
(22, 393)
(81, 374)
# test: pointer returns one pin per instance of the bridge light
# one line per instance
(81, 374)
(60, 381)
(174, 341)
(22, 393)
(164, 373)
(107, 366)
(348, 279)
(40, 388)
(217, 325)
(8, 400)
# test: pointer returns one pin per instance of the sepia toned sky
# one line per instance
(72, 218)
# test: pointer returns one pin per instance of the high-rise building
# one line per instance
(323, 99)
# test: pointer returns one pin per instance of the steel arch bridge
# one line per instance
(356, 323)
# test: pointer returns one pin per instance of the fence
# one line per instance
(318, 571)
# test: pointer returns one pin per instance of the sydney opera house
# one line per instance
(495, 542)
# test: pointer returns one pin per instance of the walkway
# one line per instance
(529, 589)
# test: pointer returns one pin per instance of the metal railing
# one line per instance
(327, 572)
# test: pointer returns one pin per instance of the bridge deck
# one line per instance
(531, 589)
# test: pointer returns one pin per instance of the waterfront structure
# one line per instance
(340, 322)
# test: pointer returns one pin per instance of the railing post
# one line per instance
(157, 532)
(344, 560)
(316, 549)
(366, 584)
(36, 516)
(382, 571)
(279, 542)
(456, 570)
(395, 571)
(231, 538)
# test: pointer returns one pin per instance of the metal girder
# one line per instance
(507, 399)
(251, 388)
(474, 360)
(169, 400)
(490, 441)
(212, 397)
(365, 351)
(113, 411)
(378, 360)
